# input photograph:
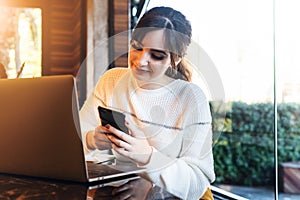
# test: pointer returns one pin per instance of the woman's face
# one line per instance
(149, 60)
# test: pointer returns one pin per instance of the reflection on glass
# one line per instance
(136, 188)
(288, 82)
(20, 43)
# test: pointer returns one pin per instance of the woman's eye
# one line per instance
(157, 56)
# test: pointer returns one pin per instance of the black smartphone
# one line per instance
(113, 118)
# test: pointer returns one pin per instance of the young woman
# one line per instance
(168, 117)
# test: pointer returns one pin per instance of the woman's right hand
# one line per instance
(97, 139)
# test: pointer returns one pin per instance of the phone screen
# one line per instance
(113, 118)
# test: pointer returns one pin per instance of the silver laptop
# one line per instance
(40, 132)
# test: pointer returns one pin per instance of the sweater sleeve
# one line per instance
(188, 175)
(101, 96)
(88, 119)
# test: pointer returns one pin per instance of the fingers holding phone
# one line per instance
(128, 146)
(113, 118)
(120, 142)
(119, 138)
(97, 140)
(132, 148)
(113, 123)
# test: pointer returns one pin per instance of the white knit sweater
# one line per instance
(177, 122)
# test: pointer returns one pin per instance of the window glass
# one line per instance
(20, 43)
(287, 46)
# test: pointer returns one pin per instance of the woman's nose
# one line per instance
(144, 58)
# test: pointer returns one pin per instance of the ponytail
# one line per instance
(180, 71)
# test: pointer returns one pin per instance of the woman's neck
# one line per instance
(155, 84)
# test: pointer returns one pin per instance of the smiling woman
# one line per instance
(167, 116)
(150, 50)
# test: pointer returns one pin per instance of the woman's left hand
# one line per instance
(134, 146)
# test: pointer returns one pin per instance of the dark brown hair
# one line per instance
(178, 33)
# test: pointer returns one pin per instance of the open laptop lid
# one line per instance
(39, 132)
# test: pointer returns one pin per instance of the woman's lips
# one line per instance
(141, 70)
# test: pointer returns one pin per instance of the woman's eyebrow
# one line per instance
(139, 43)
(151, 49)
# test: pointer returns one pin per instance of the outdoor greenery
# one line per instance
(244, 155)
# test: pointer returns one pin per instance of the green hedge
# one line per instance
(244, 153)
